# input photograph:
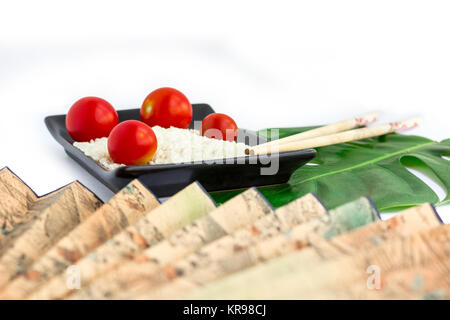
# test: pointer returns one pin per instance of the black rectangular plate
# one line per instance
(165, 180)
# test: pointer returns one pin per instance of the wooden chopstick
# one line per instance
(326, 130)
(331, 139)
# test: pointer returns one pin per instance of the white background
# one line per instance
(267, 64)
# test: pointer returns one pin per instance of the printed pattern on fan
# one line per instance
(18, 204)
(408, 222)
(15, 201)
(126, 207)
(415, 266)
(179, 211)
(51, 219)
(342, 219)
(158, 261)
(133, 247)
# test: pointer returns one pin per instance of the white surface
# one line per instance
(265, 64)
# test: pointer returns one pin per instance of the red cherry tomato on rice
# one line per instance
(90, 118)
(132, 142)
(166, 107)
(219, 126)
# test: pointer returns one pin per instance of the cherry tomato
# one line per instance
(219, 126)
(90, 118)
(132, 142)
(166, 107)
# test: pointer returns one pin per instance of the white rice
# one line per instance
(174, 146)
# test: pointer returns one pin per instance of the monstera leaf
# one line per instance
(375, 167)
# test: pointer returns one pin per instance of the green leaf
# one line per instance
(375, 167)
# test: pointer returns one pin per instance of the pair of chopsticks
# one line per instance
(339, 132)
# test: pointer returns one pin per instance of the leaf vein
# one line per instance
(362, 164)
